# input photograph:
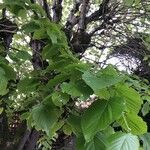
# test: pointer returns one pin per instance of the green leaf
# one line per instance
(2, 71)
(134, 122)
(30, 27)
(137, 2)
(9, 71)
(128, 2)
(28, 85)
(50, 51)
(78, 89)
(15, 8)
(40, 34)
(146, 108)
(100, 114)
(146, 140)
(55, 128)
(123, 141)
(67, 129)
(38, 8)
(52, 35)
(70, 89)
(22, 13)
(75, 122)
(104, 94)
(108, 131)
(132, 97)
(3, 85)
(45, 116)
(57, 80)
(102, 80)
(60, 99)
(80, 143)
(99, 142)
(147, 98)
(23, 55)
(58, 65)
(1, 110)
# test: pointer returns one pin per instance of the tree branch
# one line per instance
(103, 9)
(57, 10)
(72, 19)
(46, 8)
(83, 12)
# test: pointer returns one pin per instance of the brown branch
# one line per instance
(103, 9)
(24, 140)
(102, 26)
(57, 10)
(4, 13)
(72, 19)
(46, 8)
(83, 12)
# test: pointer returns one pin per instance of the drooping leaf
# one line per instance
(123, 141)
(100, 114)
